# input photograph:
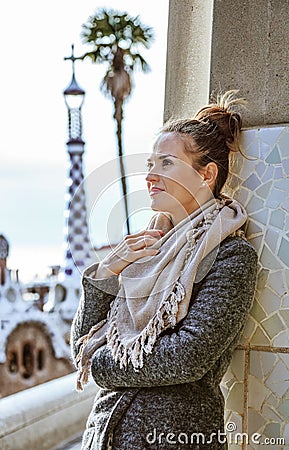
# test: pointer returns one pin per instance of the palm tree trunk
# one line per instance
(118, 114)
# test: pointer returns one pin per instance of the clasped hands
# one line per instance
(130, 249)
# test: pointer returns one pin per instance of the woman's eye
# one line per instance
(167, 162)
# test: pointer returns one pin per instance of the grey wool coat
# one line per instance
(174, 401)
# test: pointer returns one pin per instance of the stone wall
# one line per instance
(45, 416)
(256, 385)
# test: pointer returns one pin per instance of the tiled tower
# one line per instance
(77, 253)
(64, 297)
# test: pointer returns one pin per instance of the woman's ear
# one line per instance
(210, 173)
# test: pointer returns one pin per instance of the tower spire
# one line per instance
(71, 58)
(78, 249)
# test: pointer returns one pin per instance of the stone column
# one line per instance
(223, 44)
(219, 45)
(188, 56)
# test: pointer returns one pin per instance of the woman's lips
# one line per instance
(154, 191)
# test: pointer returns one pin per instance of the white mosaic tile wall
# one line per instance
(256, 386)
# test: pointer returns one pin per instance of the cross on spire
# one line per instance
(72, 58)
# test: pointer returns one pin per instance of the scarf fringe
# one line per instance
(83, 367)
(166, 317)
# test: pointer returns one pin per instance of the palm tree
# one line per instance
(116, 38)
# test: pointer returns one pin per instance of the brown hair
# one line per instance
(212, 134)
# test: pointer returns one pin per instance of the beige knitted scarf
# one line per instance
(155, 292)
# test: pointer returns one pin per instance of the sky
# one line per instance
(35, 38)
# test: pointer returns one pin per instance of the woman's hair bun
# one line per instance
(222, 112)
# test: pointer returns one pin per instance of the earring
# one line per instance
(204, 184)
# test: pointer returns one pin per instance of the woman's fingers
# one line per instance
(129, 247)
(145, 252)
(134, 255)
(144, 233)
(141, 242)
(132, 248)
(154, 232)
(143, 239)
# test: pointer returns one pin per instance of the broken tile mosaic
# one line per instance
(261, 184)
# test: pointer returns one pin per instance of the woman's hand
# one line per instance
(132, 248)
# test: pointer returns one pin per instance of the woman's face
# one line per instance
(173, 184)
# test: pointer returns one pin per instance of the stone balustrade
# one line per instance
(45, 416)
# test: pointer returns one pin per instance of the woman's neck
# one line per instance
(181, 213)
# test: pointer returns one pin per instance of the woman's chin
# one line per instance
(155, 206)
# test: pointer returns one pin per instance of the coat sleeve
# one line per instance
(220, 305)
(94, 304)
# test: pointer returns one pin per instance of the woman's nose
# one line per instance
(152, 175)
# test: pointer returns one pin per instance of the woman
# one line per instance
(162, 314)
